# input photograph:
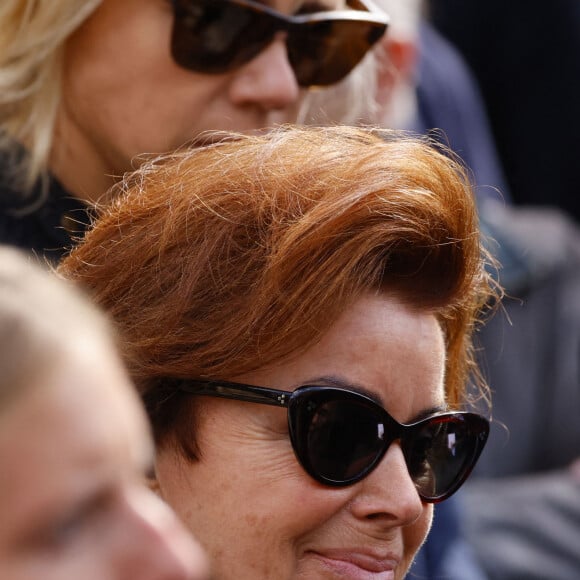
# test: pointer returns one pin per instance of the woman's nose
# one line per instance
(267, 81)
(388, 494)
(163, 549)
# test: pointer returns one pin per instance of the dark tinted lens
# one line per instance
(441, 453)
(338, 439)
(340, 436)
(214, 36)
(324, 52)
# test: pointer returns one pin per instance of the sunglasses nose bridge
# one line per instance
(389, 431)
(279, 23)
(405, 436)
(276, 27)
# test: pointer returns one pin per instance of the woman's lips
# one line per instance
(355, 565)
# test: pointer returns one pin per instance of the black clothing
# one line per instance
(45, 223)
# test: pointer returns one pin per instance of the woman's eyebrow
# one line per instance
(429, 411)
(341, 383)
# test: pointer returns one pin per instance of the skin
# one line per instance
(73, 448)
(124, 96)
(259, 515)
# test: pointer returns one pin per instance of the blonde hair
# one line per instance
(225, 259)
(349, 102)
(40, 316)
(33, 34)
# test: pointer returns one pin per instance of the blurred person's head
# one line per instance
(74, 446)
(382, 90)
(398, 60)
(334, 271)
(86, 85)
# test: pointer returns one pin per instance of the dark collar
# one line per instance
(47, 222)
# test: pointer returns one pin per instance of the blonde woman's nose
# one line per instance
(268, 81)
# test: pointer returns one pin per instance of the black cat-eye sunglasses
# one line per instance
(340, 436)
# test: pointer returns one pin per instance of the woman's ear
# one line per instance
(396, 65)
(152, 482)
(402, 55)
(396, 76)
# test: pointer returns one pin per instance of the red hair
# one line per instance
(224, 259)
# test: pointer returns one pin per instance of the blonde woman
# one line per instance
(88, 85)
(75, 446)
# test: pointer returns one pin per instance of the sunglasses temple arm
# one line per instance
(239, 392)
